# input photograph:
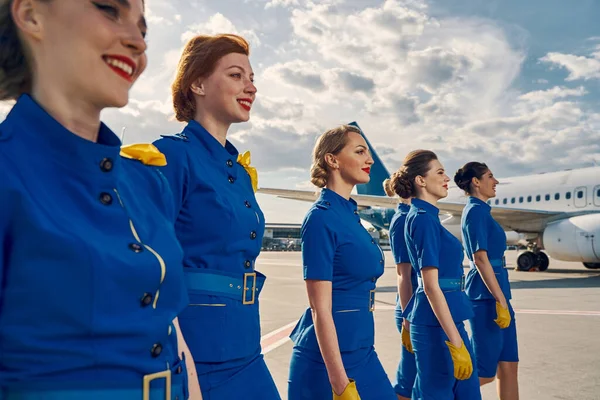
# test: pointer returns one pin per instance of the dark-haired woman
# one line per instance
(213, 186)
(494, 332)
(442, 349)
(407, 284)
(333, 341)
(91, 274)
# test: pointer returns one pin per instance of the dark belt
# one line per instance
(448, 284)
(219, 283)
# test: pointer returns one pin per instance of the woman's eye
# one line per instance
(236, 75)
(108, 9)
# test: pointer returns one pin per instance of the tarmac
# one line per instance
(557, 314)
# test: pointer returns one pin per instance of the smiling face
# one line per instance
(486, 185)
(228, 92)
(89, 50)
(354, 160)
(435, 181)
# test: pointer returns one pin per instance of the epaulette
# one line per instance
(323, 205)
(178, 137)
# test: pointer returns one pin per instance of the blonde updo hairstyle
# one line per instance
(402, 182)
(331, 142)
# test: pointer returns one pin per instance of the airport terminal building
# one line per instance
(286, 237)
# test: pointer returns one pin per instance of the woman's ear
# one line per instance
(420, 181)
(198, 87)
(331, 161)
(26, 16)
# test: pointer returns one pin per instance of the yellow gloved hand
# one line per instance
(349, 393)
(463, 366)
(502, 316)
(406, 339)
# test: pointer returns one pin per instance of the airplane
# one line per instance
(558, 212)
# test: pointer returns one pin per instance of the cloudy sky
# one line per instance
(511, 83)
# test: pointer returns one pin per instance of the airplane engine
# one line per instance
(574, 239)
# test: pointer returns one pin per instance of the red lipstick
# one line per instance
(367, 170)
(118, 62)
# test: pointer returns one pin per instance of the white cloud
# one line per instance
(579, 67)
(216, 24)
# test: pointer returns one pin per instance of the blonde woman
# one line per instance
(333, 341)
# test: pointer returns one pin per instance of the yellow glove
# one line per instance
(463, 367)
(406, 339)
(350, 393)
(502, 316)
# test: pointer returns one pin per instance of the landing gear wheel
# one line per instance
(592, 265)
(527, 261)
(542, 261)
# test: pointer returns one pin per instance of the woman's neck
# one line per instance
(79, 117)
(428, 197)
(341, 187)
(216, 128)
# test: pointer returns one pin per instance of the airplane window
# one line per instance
(529, 199)
(512, 200)
(580, 194)
(598, 193)
(521, 199)
(557, 196)
(538, 197)
(547, 197)
(497, 201)
(568, 195)
(504, 201)
(489, 202)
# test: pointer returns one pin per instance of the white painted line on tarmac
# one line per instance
(276, 338)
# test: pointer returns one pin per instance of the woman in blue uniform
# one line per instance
(90, 267)
(494, 332)
(407, 284)
(333, 341)
(219, 223)
(439, 307)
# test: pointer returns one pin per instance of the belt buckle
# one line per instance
(157, 375)
(372, 300)
(462, 283)
(253, 288)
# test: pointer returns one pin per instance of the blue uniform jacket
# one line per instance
(398, 244)
(90, 267)
(429, 244)
(220, 227)
(337, 248)
(481, 232)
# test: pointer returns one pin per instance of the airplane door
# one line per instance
(580, 195)
(596, 195)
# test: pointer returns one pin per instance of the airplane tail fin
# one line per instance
(378, 172)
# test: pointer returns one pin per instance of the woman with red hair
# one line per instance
(219, 223)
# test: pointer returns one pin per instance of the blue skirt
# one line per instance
(308, 378)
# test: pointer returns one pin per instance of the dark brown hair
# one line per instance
(331, 142)
(402, 182)
(199, 58)
(15, 70)
(464, 176)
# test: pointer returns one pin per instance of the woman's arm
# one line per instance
(405, 288)
(319, 297)
(193, 384)
(439, 305)
(482, 262)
